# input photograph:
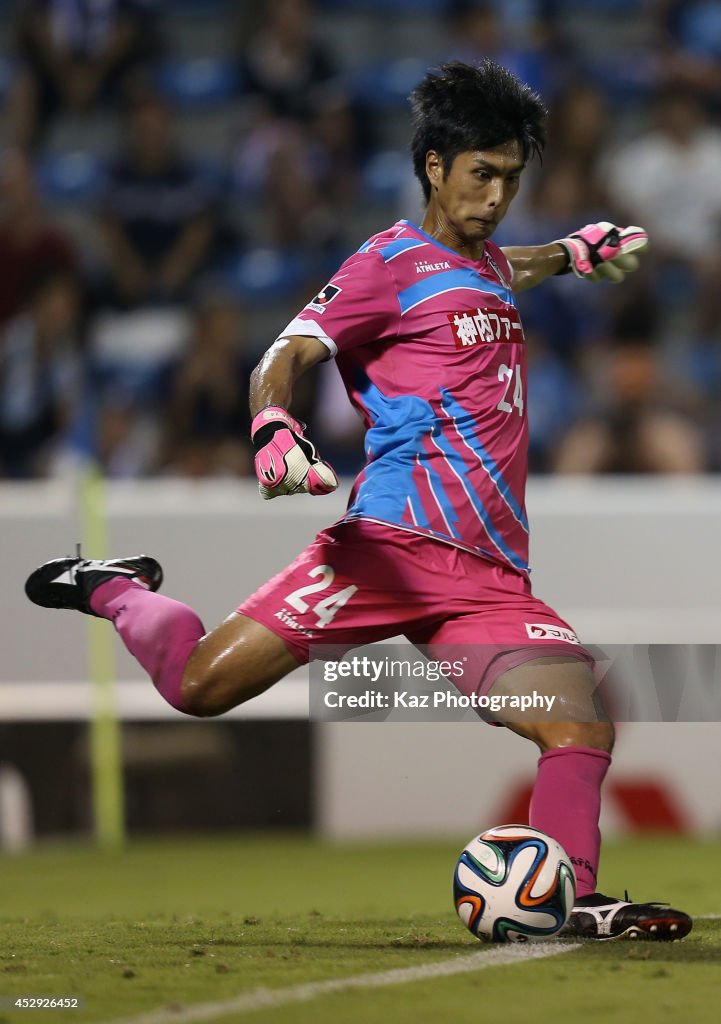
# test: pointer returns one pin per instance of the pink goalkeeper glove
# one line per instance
(286, 462)
(604, 252)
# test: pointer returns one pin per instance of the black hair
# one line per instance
(462, 107)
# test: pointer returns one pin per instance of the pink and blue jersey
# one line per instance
(431, 350)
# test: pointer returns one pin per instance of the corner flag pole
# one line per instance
(106, 762)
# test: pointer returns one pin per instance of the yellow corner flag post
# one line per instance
(106, 763)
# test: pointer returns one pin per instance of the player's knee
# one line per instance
(217, 686)
(199, 702)
(205, 695)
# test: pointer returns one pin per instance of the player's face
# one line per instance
(469, 202)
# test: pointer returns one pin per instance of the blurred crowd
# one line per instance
(178, 179)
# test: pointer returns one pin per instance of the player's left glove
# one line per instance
(286, 461)
(604, 252)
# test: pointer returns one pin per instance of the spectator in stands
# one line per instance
(642, 423)
(579, 128)
(74, 55)
(126, 434)
(301, 154)
(283, 65)
(668, 179)
(158, 213)
(478, 30)
(207, 425)
(554, 384)
(276, 167)
(689, 38)
(30, 244)
(40, 376)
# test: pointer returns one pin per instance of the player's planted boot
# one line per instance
(603, 917)
(70, 582)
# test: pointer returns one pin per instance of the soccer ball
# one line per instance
(513, 883)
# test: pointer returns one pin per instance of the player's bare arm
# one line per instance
(596, 252)
(532, 264)
(271, 382)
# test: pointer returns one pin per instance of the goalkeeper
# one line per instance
(423, 324)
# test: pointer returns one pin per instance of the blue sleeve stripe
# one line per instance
(451, 280)
(401, 245)
(464, 424)
(393, 249)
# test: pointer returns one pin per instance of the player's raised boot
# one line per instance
(603, 917)
(70, 582)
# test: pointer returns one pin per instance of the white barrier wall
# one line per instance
(625, 561)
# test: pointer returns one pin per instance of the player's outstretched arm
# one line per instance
(286, 461)
(596, 252)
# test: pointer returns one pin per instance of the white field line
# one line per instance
(260, 998)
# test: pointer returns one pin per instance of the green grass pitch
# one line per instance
(168, 925)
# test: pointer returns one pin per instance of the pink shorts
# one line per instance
(361, 582)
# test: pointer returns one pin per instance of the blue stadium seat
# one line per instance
(214, 172)
(700, 29)
(71, 177)
(384, 175)
(626, 76)
(263, 274)
(198, 81)
(387, 84)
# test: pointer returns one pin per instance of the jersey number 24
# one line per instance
(512, 377)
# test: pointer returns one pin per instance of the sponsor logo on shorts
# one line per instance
(547, 631)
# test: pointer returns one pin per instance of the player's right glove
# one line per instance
(603, 252)
(286, 461)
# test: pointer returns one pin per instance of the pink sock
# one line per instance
(566, 804)
(159, 632)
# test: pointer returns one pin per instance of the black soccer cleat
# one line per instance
(603, 917)
(70, 582)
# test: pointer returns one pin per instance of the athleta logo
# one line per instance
(473, 325)
(547, 631)
(289, 619)
(427, 268)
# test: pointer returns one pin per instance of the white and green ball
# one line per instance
(513, 883)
